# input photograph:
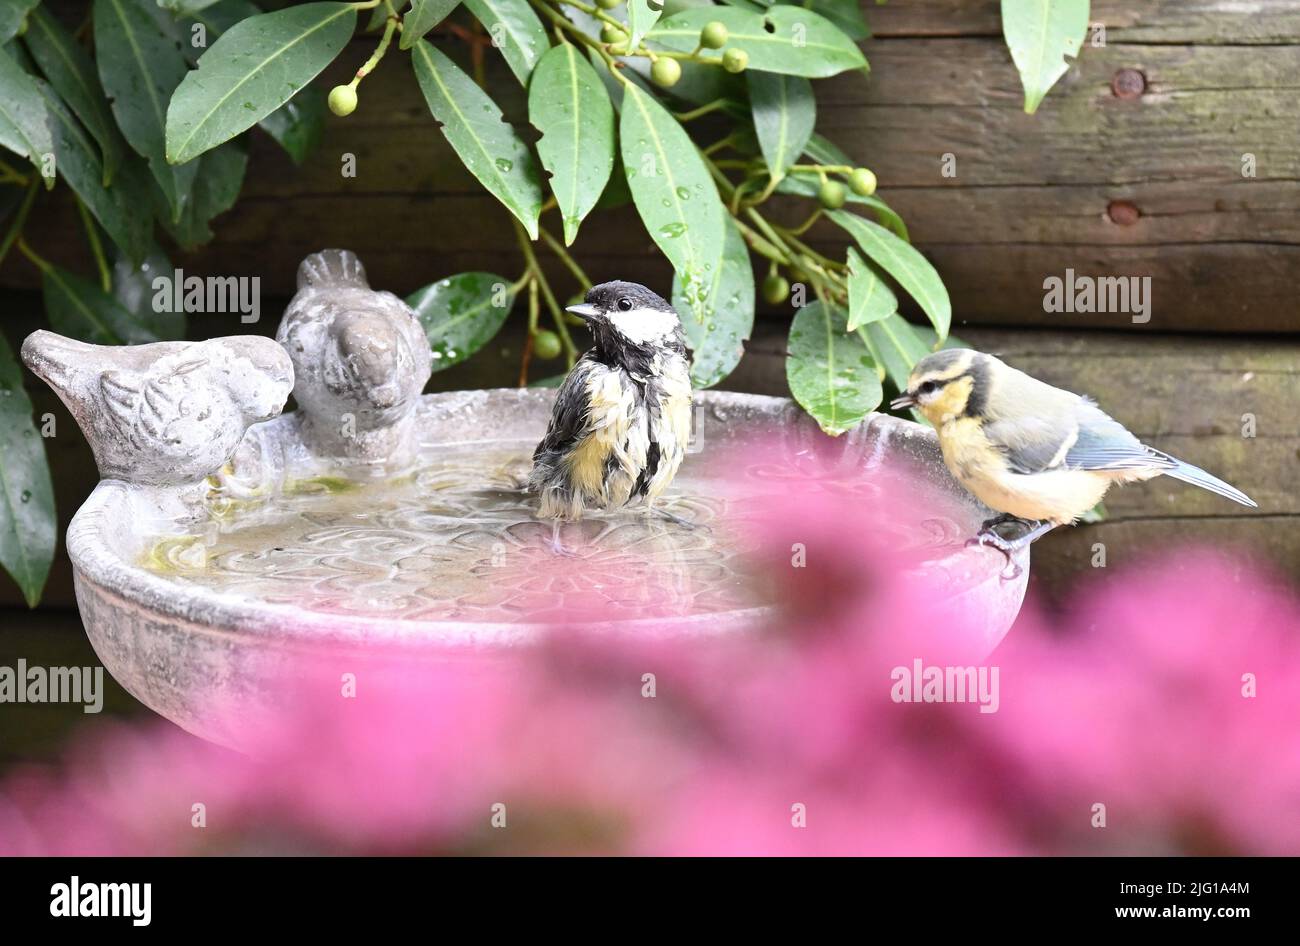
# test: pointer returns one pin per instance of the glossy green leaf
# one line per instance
(24, 118)
(568, 104)
(299, 124)
(830, 371)
(515, 30)
(798, 43)
(846, 14)
(186, 7)
(824, 151)
(140, 67)
(641, 16)
(12, 14)
(81, 309)
(133, 289)
(807, 184)
(904, 263)
(72, 74)
(673, 192)
(489, 147)
(870, 298)
(461, 314)
(122, 207)
(251, 70)
(27, 521)
(423, 16)
(896, 345)
(785, 112)
(1040, 34)
(221, 175)
(717, 335)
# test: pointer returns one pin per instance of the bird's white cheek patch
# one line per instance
(644, 325)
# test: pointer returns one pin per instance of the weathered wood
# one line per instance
(1029, 199)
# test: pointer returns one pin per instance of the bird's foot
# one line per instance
(990, 537)
(678, 520)
(556, 544)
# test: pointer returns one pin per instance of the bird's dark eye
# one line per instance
(625, 304)
(927, 387)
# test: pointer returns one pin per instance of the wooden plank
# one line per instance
(1145, 21)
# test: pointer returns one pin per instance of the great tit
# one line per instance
(622, 418)
(1037, 454)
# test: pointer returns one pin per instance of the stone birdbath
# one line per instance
(226, 541)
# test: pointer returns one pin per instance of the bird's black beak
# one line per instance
(902, 401)
(584, 310)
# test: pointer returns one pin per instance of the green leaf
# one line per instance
(641, 16)
(24, 119)
(140, 67)
(903, 262)
(846, 14)
(80, 309)
(896, 345)
(1040, 34)
(471, 122)
(12, 14)
(299, 123)
(568, 104)
(830, 372)
(785, 112)
(799, 43)
(824, 151)
(461, 314)
(807, 184)
(221, 175)
(72, 74)
(251, 70)
(27, 520)
(870, 298)
(120, 208)
(133, 289)
(423, 16)
(673, 191)
(516, 30)
(717, 336)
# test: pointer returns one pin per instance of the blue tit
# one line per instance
(622, 418)
(1039, 455)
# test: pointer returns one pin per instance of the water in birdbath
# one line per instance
(457, 541)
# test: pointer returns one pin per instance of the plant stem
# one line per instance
(96, 246)
(569, 262)
(10, 175)
(701, 111)
(369, 65)
(39, 261)
(530, 259)
(532, 331)
(15, 230)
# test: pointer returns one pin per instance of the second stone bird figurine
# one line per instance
(360, 358)
(622, 418)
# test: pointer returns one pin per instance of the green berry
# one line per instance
(832, 195)
(666, 72)
(735, 60)
(714, 35)
(343, 100)
(546, 345)
(775, 289)
(609, 33)
(608, 4)
(863, 182)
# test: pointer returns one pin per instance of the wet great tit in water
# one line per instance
(1037, 454)
(622, 418)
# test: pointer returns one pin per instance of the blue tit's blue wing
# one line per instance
(1106, 444)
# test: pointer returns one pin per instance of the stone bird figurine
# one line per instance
(167, 413)
(361, 359)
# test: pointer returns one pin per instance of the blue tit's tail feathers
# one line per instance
(332, 268)
(1198, 477)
